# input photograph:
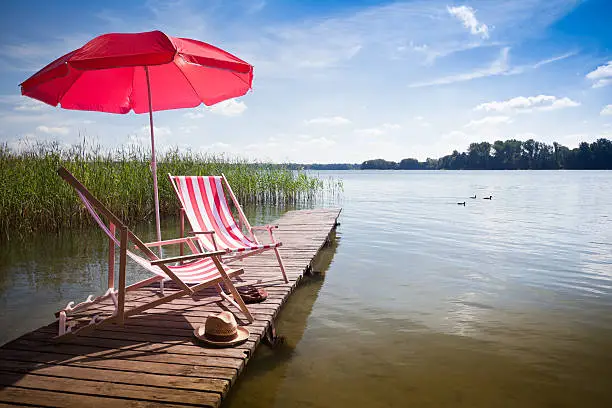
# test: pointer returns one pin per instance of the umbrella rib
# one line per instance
(131, 99)
(59, 100)
(245, 82)
(189, 82)
(220, 69)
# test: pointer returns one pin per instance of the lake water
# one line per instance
(420, 301)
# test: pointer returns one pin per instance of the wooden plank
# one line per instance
(40, 398)
(195, 370)
(136, 355)
(110, 389)
(153, 333)
(123, 377)
(29, 343)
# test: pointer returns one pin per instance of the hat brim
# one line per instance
(243, 335)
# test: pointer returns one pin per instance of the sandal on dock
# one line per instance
(251, 294)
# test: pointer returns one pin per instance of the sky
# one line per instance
(337, 81)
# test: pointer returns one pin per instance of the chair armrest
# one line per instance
(268, 228)
(186, 257)
(202, 232)
(167, 242)
(264, 227)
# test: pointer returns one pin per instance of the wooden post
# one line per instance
(280, 264)
(182, 231)
(111, 258)
(122, 265)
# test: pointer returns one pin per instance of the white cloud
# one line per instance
(319, 142)
(331, 121)
(527, 136)
(601, 76)
(253, 6)
(57, 130)
(187, 129)
(26, 56)
(391, 126)
(196, 113)
(378, 131)
(217, 147)
(161, 131)
(455, 135)
(498, 67)
(30, 105)
(231, 107)
(370, 132)
(607, 110)
(553, 59)
(528, 104)
(420, 120)
(467, 16)
(574, 139)
(489, 121)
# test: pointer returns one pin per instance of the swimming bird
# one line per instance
(488, 198)
(474, 196)
(463, 203)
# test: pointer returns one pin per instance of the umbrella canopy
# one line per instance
(143, 72)
(107, 75)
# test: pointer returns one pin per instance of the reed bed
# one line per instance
(34, 198)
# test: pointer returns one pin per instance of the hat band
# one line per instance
(221, 337)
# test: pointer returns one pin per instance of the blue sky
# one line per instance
(339, 81)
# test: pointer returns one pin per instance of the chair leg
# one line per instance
(238, 302)
(280, 264)
(229, 285)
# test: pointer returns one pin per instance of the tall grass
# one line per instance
(34, 198)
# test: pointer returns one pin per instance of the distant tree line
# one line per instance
(511, 155)
(318, 166)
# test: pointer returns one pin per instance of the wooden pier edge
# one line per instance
(153, 359)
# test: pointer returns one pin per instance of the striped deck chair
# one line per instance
(204, 201)
(195, 272)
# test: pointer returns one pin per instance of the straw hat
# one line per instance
(221, 330)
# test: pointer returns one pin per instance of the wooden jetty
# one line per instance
(153, 359)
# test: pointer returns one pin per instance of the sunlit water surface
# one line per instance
(419, 302)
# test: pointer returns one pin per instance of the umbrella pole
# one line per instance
(154, 170)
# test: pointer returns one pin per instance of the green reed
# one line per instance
(34, 198)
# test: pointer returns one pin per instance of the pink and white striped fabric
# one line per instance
(207, 209)
(199, 271)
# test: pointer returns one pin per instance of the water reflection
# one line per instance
(263, 378)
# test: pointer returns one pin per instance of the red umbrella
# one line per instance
(143, 72)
